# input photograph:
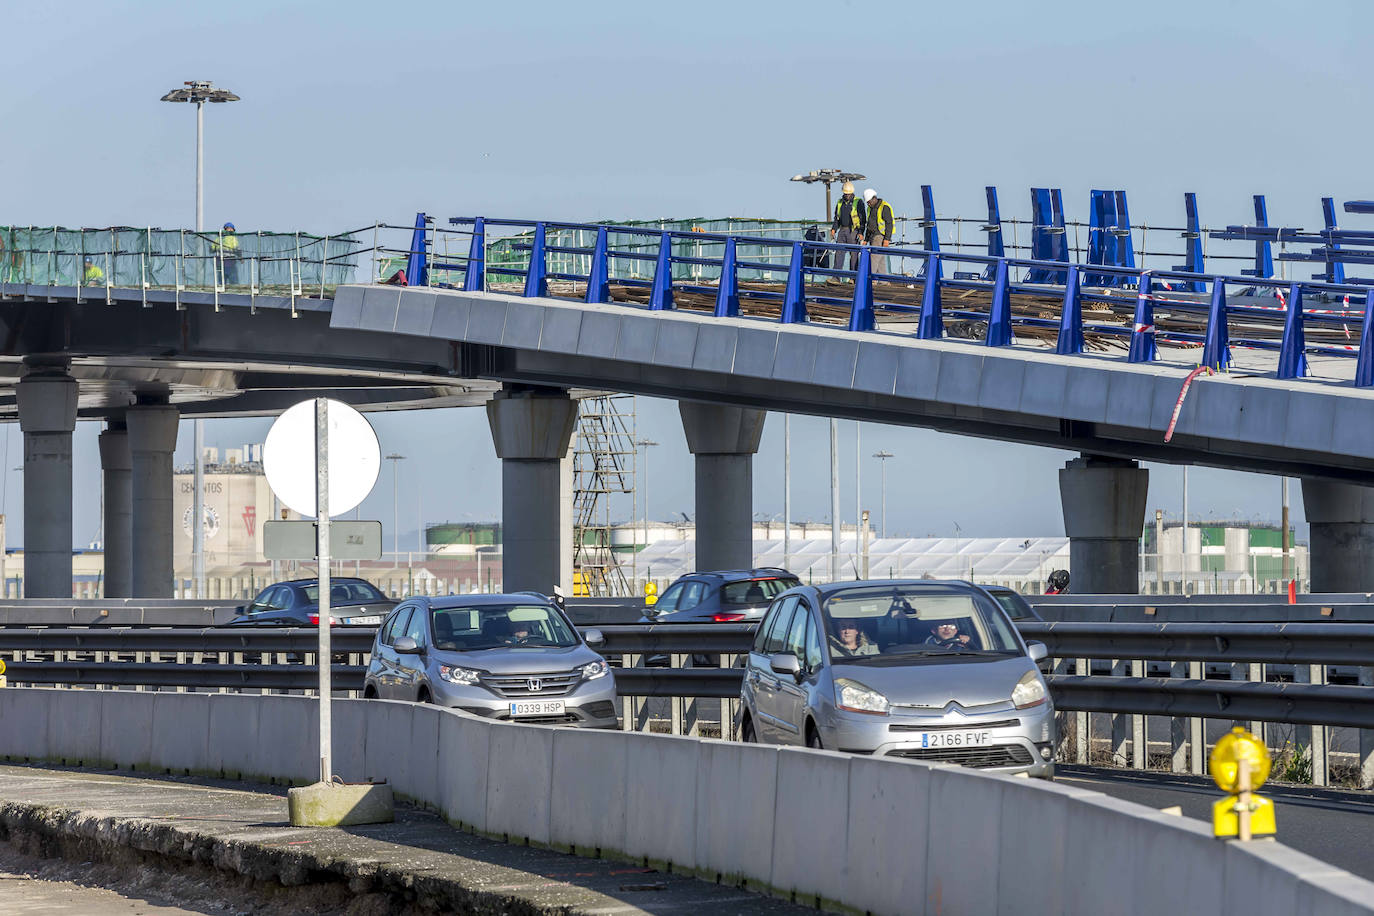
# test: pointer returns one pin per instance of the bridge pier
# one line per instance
(1104, 513)
(532, 430)
(47, 398)
(1341, 516)
(116, 464)
(152, 439)
(723, 439)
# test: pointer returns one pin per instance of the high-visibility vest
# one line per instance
(877, 213)
(228, 244)
(854, 221)
(92, 274)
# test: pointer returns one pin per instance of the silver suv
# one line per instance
(921, 670)
(514, 657)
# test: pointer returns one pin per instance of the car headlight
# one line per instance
(1029, 691)
(455, 675)
(856, 697)
(593, 670)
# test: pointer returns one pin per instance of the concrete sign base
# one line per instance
(337, 804)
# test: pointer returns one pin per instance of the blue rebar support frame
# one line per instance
(417, 262)
(996, 247)
(861, 312)
(598, 278)
(932, 323)
(661, 293)
(1060, 234)
(1335, 268)
(475, 272)
(999, 313)
(1143, 346)
(1264, 250)
(727, 294)
(1125, 241)
(1192, 237)
(537, 274)
(928, 224)
(794, 294)
(1293, 349)
(1042, 238)
(1070, 340)
(1216, 350)
(1364, 362)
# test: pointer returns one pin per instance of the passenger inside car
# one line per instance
(849, 640)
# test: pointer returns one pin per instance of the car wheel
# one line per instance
(813, 738)
(746, 731)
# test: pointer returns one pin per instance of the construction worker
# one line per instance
(847, 227)
(878, 227)
(91, 275)
(227, 251)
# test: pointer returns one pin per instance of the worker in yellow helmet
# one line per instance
(879, 227)
(227, 253)
(847, 225)
(91, 274)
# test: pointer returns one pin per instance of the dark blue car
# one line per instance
(352, 602)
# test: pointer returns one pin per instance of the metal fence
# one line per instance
(1147, 695)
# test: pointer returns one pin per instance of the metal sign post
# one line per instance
(322, 529)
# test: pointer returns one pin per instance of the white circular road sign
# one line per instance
(288, 457)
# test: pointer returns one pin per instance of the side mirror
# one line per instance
(785, 663)
(1037, 650)
(594, 637)
(406, 646)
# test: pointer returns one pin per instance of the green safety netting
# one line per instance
(162, 258)
(508, 253)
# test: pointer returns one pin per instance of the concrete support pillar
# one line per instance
(116, 464)
(1341, 516)
(723, 440)
(532, 431)
(152, 439)
(47, 415)
(1104, 514)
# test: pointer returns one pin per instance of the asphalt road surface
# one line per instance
(1334, 826)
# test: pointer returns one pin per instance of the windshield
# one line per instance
(344, 593)
(755, 591)
(914, 620)
(493, 626)
(1017, 608)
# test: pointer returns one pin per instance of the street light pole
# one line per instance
(395, 460)
(882, 457)
(787, 491)
(199, 92)
(828, 177)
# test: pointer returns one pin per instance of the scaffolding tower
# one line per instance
(603, 464)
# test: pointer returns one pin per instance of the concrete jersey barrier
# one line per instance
(846, 832)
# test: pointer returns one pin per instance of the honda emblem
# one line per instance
(534, 684)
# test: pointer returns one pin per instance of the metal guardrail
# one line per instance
(1189, 316)
(1267, 643)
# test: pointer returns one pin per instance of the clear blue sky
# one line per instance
(353, 113)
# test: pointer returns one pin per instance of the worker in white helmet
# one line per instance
(847, 225)
(879, 227)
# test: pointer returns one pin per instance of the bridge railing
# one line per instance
(1165, 310)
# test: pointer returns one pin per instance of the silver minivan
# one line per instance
(515, 657)
(922, 670)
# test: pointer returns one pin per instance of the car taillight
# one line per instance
(315, 620)
(727, 618)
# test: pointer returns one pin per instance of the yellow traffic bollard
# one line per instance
(650, 594)
(1239, 764)
(3, 681)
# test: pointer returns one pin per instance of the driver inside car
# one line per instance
(945, 635)
(849, 640)
(520, 634)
